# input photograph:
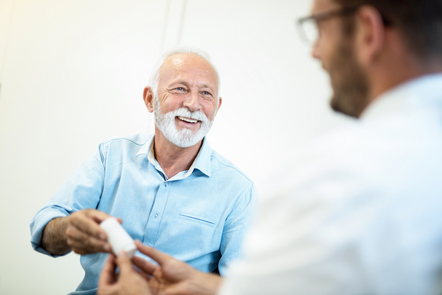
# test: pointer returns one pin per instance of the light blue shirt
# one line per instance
(198, 216)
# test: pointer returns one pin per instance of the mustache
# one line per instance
(184, 112)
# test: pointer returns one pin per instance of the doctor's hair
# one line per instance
(418, 21)
(155, 75)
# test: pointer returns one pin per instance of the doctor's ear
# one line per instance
(148, 98)
(370, 34)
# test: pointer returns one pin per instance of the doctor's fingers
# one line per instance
(181, 288)
(144, 265)
(108, 275)
(156, 255)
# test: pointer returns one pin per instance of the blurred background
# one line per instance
(72, 74)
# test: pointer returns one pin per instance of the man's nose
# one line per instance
(192, 102)
(315, 50)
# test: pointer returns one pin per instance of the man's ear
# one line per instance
(369, 34)
(148, 98)
(220, 102)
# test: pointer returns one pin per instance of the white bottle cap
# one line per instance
(118, 238)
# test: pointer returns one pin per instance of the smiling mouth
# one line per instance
(188, 120)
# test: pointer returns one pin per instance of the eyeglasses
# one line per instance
(308, 26)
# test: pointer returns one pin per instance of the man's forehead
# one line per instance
(323, 6)
(186, 62)
(182, 61)
(176, 61)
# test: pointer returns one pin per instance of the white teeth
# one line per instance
(188, 120)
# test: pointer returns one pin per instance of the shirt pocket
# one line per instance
(196, 218)
(196, 232)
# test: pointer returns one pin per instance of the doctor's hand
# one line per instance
(172, 276)
(83, 233)
(127, 282)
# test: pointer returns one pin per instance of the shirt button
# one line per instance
(156, 215)
(165, 183)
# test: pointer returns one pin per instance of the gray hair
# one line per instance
(155, 75)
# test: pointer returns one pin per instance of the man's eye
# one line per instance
(178, 90)
(207, 93)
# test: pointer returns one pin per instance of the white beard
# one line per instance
(185, 137)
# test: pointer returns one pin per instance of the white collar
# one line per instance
(423, 90)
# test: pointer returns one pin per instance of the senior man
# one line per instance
(170, 190)
(360, 212)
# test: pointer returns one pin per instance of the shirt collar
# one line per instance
(144, 150)
(151, 154)
(423, 90)
(202, 161)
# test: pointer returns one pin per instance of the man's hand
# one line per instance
(79, 232)
(127, 282)
(172, 276)
(84, 235)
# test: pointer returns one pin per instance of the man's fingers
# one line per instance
(80, 241)
(87, 225)
(107, 276)
(152, 253)
(97, 216)
(74, 233)
(80, 247)
(145, 266)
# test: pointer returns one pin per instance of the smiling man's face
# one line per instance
(187, 99)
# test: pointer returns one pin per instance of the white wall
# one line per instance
(72, 74)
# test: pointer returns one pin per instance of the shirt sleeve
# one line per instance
(83, 190)
(237, 223)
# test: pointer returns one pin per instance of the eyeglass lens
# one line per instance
(310, 30)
